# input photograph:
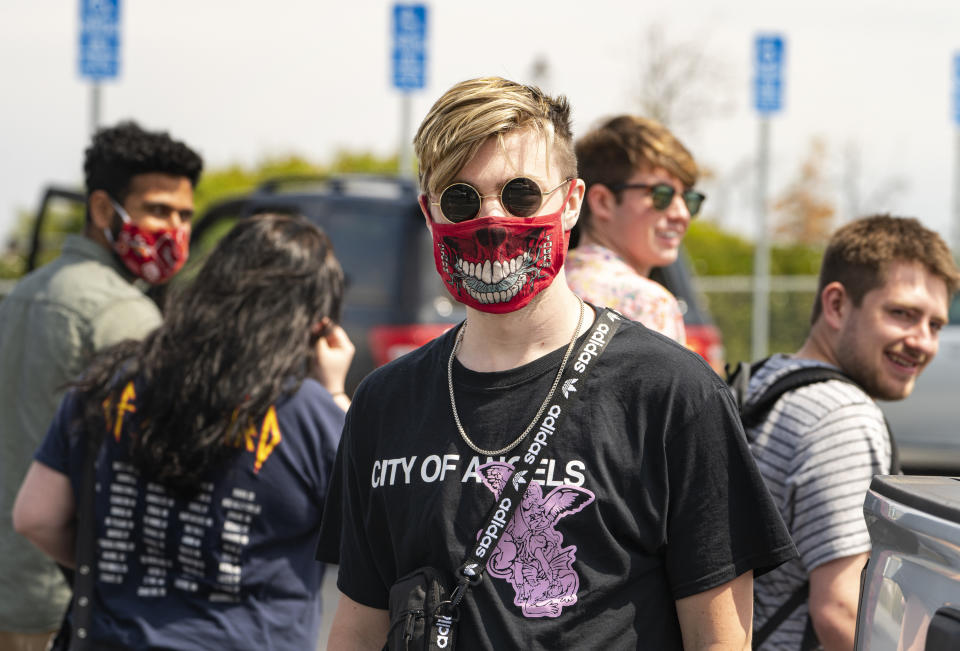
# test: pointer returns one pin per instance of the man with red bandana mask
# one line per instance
(139, 205)
(883, 296)
(630, 533)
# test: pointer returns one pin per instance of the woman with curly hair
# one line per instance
(214, 440)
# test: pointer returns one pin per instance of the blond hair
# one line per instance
(468, 114)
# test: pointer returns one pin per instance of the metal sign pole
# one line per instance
(409, 70)
(99, 49)
(761, 252)
(956, 195)
(94, 107)
(405, 159)
(768, 98)
(956, 156)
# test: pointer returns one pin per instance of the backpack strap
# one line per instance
(895, 467)
(738, 379)
(798, 597)
(754, 413)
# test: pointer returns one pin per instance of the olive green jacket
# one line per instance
(51, 323)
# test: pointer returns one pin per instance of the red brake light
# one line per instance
(706, 341)
(390, 342)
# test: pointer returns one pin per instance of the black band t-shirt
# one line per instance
(647, 494)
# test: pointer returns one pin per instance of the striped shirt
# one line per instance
(818, 450)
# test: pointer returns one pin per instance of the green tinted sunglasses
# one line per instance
(662, 195)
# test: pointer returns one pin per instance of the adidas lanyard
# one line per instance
(471, 571)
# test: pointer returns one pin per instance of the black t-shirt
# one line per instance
(647, 494)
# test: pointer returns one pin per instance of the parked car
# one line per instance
(703, 336)
(395, 301)
(910, 589)
(926, 425)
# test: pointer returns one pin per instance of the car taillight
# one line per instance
(390, 342)
(706, 341)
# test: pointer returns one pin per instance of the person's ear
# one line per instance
(602, 201)
(835, 305)
(571, 210)
(101, 210)
(425, 209)
(321, 327)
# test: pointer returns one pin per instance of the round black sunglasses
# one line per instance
(521, 197)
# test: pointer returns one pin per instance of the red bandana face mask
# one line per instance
(153, 255)
(498, 264)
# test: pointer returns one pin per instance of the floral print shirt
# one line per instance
(602, 277)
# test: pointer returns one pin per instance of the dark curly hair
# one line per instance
(233, 341)
(119, 153)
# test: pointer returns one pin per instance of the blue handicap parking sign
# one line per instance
(768, 77)
(409, 46)
(956, 88)
(99, 40)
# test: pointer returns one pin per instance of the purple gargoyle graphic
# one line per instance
(530, 554)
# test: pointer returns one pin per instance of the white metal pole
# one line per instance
(956, 194)
(94, 107)
(761, 256)
(405, 157)
(956, 157)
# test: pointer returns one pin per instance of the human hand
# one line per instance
(334, 354)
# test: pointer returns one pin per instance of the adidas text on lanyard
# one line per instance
(471, 571)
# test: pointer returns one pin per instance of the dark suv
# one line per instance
(395, 300)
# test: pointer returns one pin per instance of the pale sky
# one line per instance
(240, 80)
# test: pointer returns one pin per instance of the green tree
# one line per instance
(346, 161)
(805, 213)
(714, 252)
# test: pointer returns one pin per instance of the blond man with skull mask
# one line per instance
(643, 518)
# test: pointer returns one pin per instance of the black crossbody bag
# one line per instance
(423, 611)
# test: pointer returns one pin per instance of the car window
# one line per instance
(368, 237)
(955, 310)
(677, 278)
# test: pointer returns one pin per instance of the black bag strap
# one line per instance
(784, 611)
(753, 414)
(810, 641)
(738, 379)
(84, 577)
(475, 564)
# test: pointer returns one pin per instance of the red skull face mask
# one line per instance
(154, 256)
(498, 264)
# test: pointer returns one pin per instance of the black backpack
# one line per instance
(752, 415)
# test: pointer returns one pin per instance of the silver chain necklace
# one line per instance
(556, 381)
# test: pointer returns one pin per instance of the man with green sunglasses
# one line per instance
(639, 203)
